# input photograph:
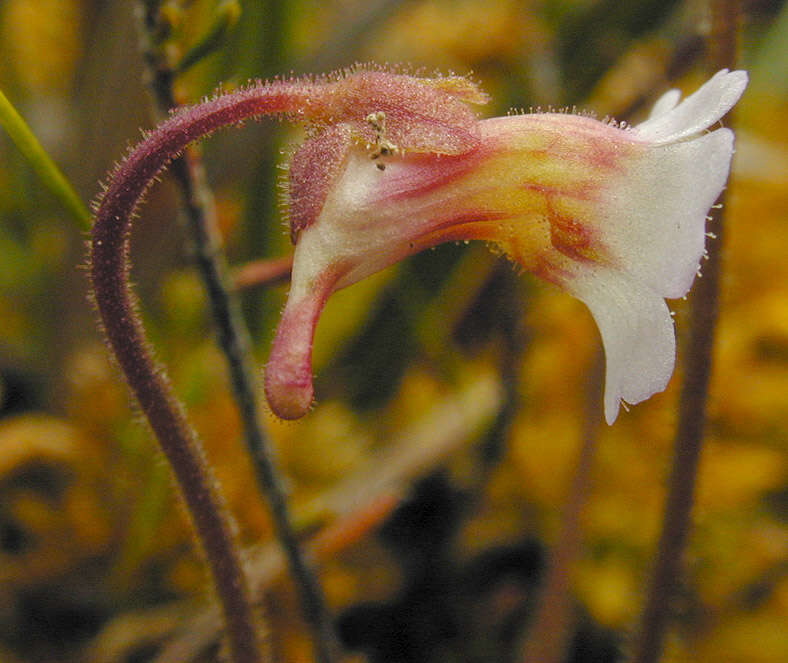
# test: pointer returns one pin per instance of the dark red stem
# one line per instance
(109, 266)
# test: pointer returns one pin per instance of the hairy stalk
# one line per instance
(110, 278)
(233, 338)
(694, 394)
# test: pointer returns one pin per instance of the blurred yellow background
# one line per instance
(464, 384)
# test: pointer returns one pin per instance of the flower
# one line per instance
(613, 215)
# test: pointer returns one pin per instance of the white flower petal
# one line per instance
(655, 218)
(666, 103)
(697, 112)
(637, 333)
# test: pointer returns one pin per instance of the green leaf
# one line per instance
(42, 163)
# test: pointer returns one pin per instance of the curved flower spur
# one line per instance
(615, 216)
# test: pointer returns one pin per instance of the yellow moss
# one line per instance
(326, 446)
(718, 560)
(505, 518)
(609, 589)
(347, 310)
(420, 390)
(736, 475)
(621, 516)
(561, 352)
(368, 570)
(752, 373)
(543, 454)
(96, 399)
(746, 637)
(44, 40)
(54, 494)
(461, 32)
(187, 575)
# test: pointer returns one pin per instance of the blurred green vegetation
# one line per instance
(94, 551)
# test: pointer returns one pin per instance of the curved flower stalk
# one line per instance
(445, 125)
(615, 216)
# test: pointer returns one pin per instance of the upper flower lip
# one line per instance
(422, 114)
(670, 123)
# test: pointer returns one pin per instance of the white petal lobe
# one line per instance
(655, 219)
(697, 112)
(637, 334)
(666, 103)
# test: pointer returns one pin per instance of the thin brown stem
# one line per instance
(263, 273)
(667, 569)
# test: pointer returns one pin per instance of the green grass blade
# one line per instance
(42, 163)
